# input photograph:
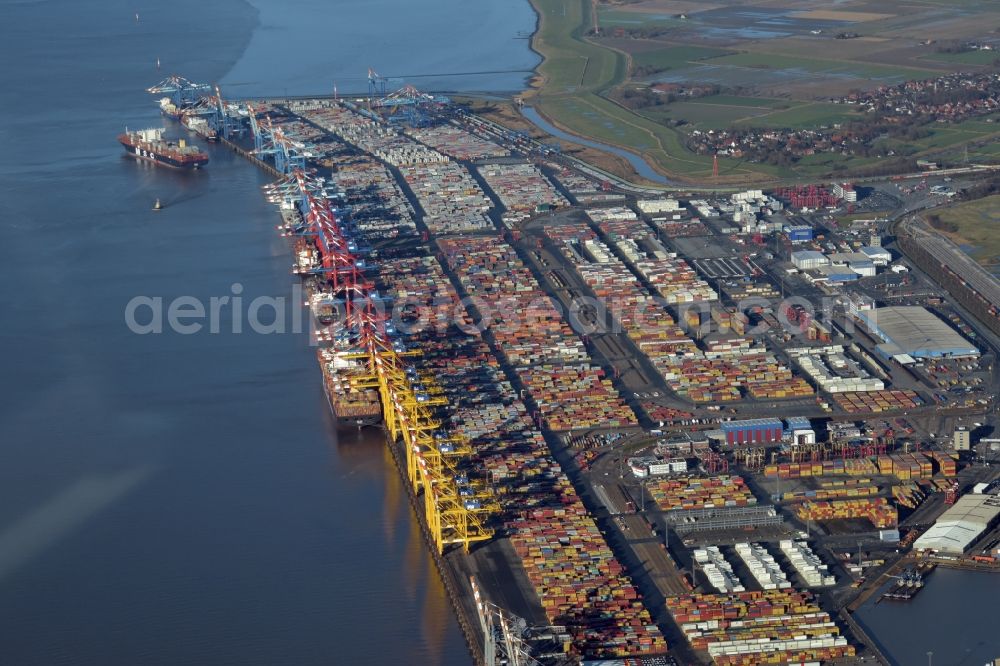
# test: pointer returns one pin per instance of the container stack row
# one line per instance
(877, 510)
(644, 321)
(575, 396)
(382, 216)
(522, 189)
(851, 466)
(831, 493)
(655, 333)
(535, 338)
(521, 316)
(672, 277)
(877, 401)
(906, 466)
(717, 569)
(760, 374)
(580, 582)
(807, 563)
(700, 492)
(781, 626)
(577, 580)
(944, 463)
(575, 182)
(457, 142)
(762, 566)
(369, 135)
(452, 200)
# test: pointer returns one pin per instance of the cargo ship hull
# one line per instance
(157, 158)
(347, 417)
(149, 145)
(351, 409)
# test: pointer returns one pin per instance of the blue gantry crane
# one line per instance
(181, 91)
(270, 141)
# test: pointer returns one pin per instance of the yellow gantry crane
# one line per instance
(456, 508)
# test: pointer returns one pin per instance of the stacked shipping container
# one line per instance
(577, 579)
(779, 626)
(877, 510)
(700, 493)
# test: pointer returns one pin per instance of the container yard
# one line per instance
(877, 402)
(523, 190)
(550, 463)
(850, 466)
(769, 627)
(878, 511)
(807, 564)
(457, 142)
(699, 493)
(762, 566)
(549, 529)
(717, 569)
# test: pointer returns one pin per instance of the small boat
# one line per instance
(157, 205)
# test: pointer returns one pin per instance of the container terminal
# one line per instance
(637, 426)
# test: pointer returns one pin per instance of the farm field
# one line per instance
(975, 224)
(774, 67)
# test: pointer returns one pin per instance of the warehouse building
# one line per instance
(863, 268)
(808, 259)
(916, 332)
(799, 233)
(845, 258)
(830, 275)
(878, 255)
(961, 525)
(658, 205)
(752, 431)
(800, 430)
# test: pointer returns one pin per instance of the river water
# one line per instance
(182, 498)
(954, 617)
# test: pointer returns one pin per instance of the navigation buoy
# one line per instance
(157, 205)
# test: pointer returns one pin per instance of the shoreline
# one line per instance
(448, 574)
(535, 88)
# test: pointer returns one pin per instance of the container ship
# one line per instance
(353, 407)
(149, 144)
(199, 126)
(169, 109)
(324, 308)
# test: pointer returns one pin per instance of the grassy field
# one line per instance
(754, 102)
(576, 74)
(775, 61)
(572, 64)
(575, 71)
(675, 56)
(805, 115)
(966, 58)
(975, 223)
(615, 18)
(704, 116)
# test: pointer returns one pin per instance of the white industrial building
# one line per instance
(877, 255)
(659, 205)
(845, 258)
(858, 302)
(863, 268)
(643, 466)
(804, 259)
(915, 331)
(833, 371)
(961, 525)
(846, 192)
